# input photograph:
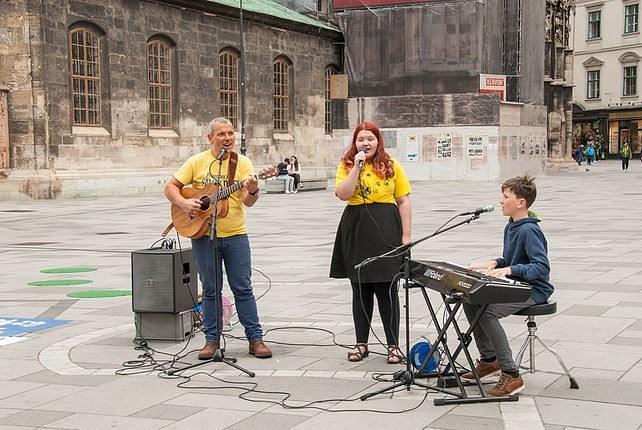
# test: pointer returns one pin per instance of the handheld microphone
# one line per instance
(361, 161)
(221, 153)
(478, 211)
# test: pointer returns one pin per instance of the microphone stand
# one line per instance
(407, 377)
(219, 354)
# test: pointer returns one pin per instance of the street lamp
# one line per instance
(242, 78)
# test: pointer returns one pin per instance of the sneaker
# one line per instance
(488, 372)
(507, 385)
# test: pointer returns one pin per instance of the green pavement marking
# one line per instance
(69, 270)
(99, 294)
(60, 282)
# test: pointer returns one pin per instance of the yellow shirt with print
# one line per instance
(197, 172)
(375, 189)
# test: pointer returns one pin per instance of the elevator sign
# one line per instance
(493, 84)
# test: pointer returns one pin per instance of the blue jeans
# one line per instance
(289, 182)
(235, 252)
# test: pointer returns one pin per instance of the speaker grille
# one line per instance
(162, 280)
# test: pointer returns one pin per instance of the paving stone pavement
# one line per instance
(64, 377)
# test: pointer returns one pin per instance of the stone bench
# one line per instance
(275, 186)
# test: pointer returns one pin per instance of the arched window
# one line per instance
(160, 94)
(85, 64)
(228, 84)
(329, 71)
(282, 69)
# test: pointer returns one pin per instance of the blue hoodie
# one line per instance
(526, 252)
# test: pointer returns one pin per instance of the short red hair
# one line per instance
(382, 163)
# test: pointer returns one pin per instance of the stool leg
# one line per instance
(530, 341)
(572, 380)
(522, 349)
(532, 351)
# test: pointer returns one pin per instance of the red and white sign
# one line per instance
(493, 84)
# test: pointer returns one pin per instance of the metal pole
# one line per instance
(242, 79)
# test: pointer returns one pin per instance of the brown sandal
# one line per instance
(359, 353)
(394, 355)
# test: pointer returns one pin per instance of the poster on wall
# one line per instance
(390, 138)
(476, 145)
(444, 147)
(412, 148)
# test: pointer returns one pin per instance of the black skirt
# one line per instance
(366, 231)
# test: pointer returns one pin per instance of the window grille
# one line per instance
(159, 84)
(85, 77)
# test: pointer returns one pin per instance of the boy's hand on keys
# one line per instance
(483, 266)
(500, 273)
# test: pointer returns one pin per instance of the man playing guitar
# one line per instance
(222, 166)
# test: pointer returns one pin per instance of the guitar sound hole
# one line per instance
(205, 203)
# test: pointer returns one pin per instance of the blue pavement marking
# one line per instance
(18, 326)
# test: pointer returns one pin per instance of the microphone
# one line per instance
(361, 161)
(221, 153)
(478, 211)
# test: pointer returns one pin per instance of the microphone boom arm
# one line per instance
(401, 249)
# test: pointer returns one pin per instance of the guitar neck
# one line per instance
(227, 191)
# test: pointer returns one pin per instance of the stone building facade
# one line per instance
(558, 79)
(109, 97)
(417, 70)
(608, 50)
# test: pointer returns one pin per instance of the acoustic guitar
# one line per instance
(197, 225)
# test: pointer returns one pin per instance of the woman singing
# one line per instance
(376, 220)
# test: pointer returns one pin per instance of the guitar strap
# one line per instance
(231, 168)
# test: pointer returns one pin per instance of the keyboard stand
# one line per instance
(408, 377)
(449, 378)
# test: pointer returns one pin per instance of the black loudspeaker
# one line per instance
(163, 280)
(163, 326)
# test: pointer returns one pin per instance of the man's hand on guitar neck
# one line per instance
(251, 186)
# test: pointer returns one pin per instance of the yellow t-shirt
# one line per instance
(375, 189)
(196, 171)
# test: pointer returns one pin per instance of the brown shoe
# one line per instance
(488, 372)
(507, 385)
(259, 349)
(208, 350)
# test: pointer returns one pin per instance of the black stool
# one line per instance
(530, 312)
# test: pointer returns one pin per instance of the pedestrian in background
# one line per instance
(625, 155)
(285, 176)
(590, 153)
(294, 170)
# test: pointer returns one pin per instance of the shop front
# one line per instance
(590, 125)
(625, 126)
